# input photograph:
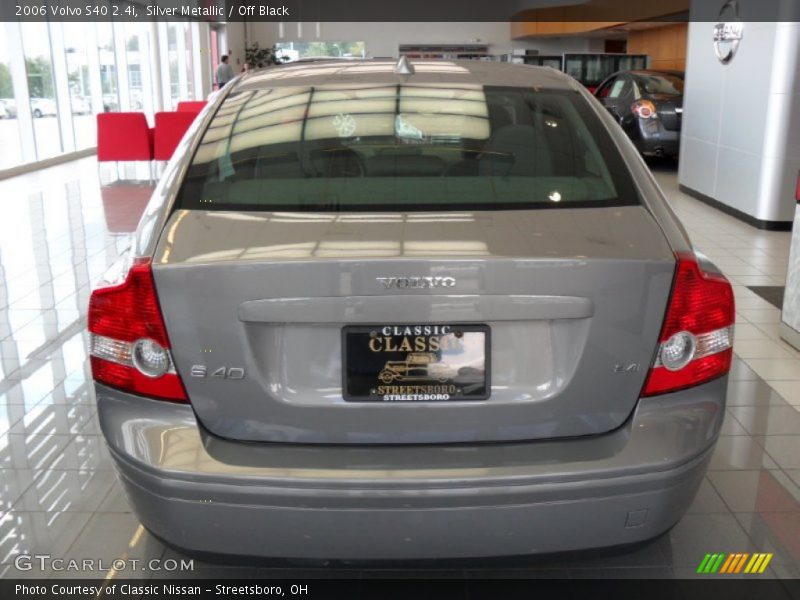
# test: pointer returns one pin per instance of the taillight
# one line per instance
(129, 347)
(644, 109)
(696, 338)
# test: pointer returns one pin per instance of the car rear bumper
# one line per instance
(655, 140)
(217, 496)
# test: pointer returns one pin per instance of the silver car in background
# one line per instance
(43, 107)
(379, 311)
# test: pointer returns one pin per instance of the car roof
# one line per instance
(674, 72)
(426, 71)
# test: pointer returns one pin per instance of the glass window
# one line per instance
(597, 69)
(632, 62)
(652, 83)
(591, 69)
(620, 89)
(135, 76)
(55, 76)
(574, 67)
(77, 50)
(604, 90)
(134, 47)
(10, 145)
(413, 147)
(173, 56)
(180, 64)
(553, 62)
(108, 67)
(290, 51)
(41, 87)
(188, 63)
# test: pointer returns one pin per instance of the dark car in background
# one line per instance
(649, 106)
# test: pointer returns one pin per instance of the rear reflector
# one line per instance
(129, 347)
(696, 338)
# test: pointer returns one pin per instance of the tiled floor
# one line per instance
(59, 494)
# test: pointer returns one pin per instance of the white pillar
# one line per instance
(61, 86)
(121, 58)
(182, 79)
(146, 63)
(163, 58)
(736, 148)
(790, 316)
(201, 46)
(155, 62)
(22, 95)
(95, 81)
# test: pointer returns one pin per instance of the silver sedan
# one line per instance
(413, 310)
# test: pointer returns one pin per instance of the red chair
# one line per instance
(123, 136)
(170, 127)
(192, 106)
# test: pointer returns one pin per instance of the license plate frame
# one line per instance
(399, 363)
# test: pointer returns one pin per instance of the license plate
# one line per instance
(415, 363)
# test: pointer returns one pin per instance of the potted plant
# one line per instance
(258, 57)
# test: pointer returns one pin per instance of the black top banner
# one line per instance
(543, 11)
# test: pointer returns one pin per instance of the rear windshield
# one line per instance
(404, 148)
(661, 84)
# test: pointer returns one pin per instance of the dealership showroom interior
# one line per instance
(555, 336)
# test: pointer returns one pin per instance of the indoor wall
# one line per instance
(666, 45)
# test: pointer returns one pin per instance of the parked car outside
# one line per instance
(326, 228)
(10, 107)
(43, 107)
(649, 106)
(110, 102)
(80, 105)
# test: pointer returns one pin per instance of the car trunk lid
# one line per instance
(670, 110)
(255, 304)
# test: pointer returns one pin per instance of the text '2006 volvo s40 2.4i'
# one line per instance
(379, 311)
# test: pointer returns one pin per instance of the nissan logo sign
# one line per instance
(728, 34)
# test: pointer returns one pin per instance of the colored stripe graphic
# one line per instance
(738, 562)
(734, 562)
(703, 563)
(763, 564)
(741, 562)
(755, 560)
(737, 556)
(727, 564)
(718, 562)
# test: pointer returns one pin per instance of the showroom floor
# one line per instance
(59, 494)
